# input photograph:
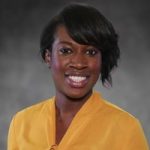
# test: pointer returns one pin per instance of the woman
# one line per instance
(79, 45)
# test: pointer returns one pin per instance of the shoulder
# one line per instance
(119, 112)
(35, 111)
(114, 113)
(120, 118)
(121, 125)
(28, 123)
(127, 126)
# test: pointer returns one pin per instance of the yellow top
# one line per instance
(98, 125)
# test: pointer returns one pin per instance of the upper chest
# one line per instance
(62, 125)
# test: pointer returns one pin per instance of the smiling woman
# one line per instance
(79, 45)
(77, 66)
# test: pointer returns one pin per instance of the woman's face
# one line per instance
(75, 68)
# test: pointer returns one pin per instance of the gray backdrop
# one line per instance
(25, 79)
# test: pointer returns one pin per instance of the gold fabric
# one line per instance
(99, 125)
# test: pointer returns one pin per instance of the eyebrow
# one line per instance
(65, 42)
(71, 43)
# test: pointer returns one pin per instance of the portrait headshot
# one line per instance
(75, 75)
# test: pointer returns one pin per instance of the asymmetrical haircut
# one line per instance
(87, 26)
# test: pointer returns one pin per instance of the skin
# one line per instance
(69, 58)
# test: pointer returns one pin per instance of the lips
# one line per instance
(77, 81)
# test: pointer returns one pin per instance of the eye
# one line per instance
(65, 51)
(92, 52)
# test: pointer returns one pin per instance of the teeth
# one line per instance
(77, 78)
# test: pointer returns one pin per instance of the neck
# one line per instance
(69, 106)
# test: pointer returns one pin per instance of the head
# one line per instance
(86, 26)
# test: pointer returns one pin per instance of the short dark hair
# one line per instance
(86, 25)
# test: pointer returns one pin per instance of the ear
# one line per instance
(48, 58)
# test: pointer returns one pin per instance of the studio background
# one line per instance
(26, 80)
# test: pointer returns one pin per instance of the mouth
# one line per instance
(77, 78)
(77, 81)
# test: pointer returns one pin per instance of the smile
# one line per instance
(76, 81)
(77, 78)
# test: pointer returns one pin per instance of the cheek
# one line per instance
(96, 69)
(96, 66)
(58, 65)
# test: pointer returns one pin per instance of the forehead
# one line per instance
(61, 33)
(62, 36)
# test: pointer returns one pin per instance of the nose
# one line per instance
(78, 61)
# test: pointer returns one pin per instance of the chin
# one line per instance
(78, 96)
